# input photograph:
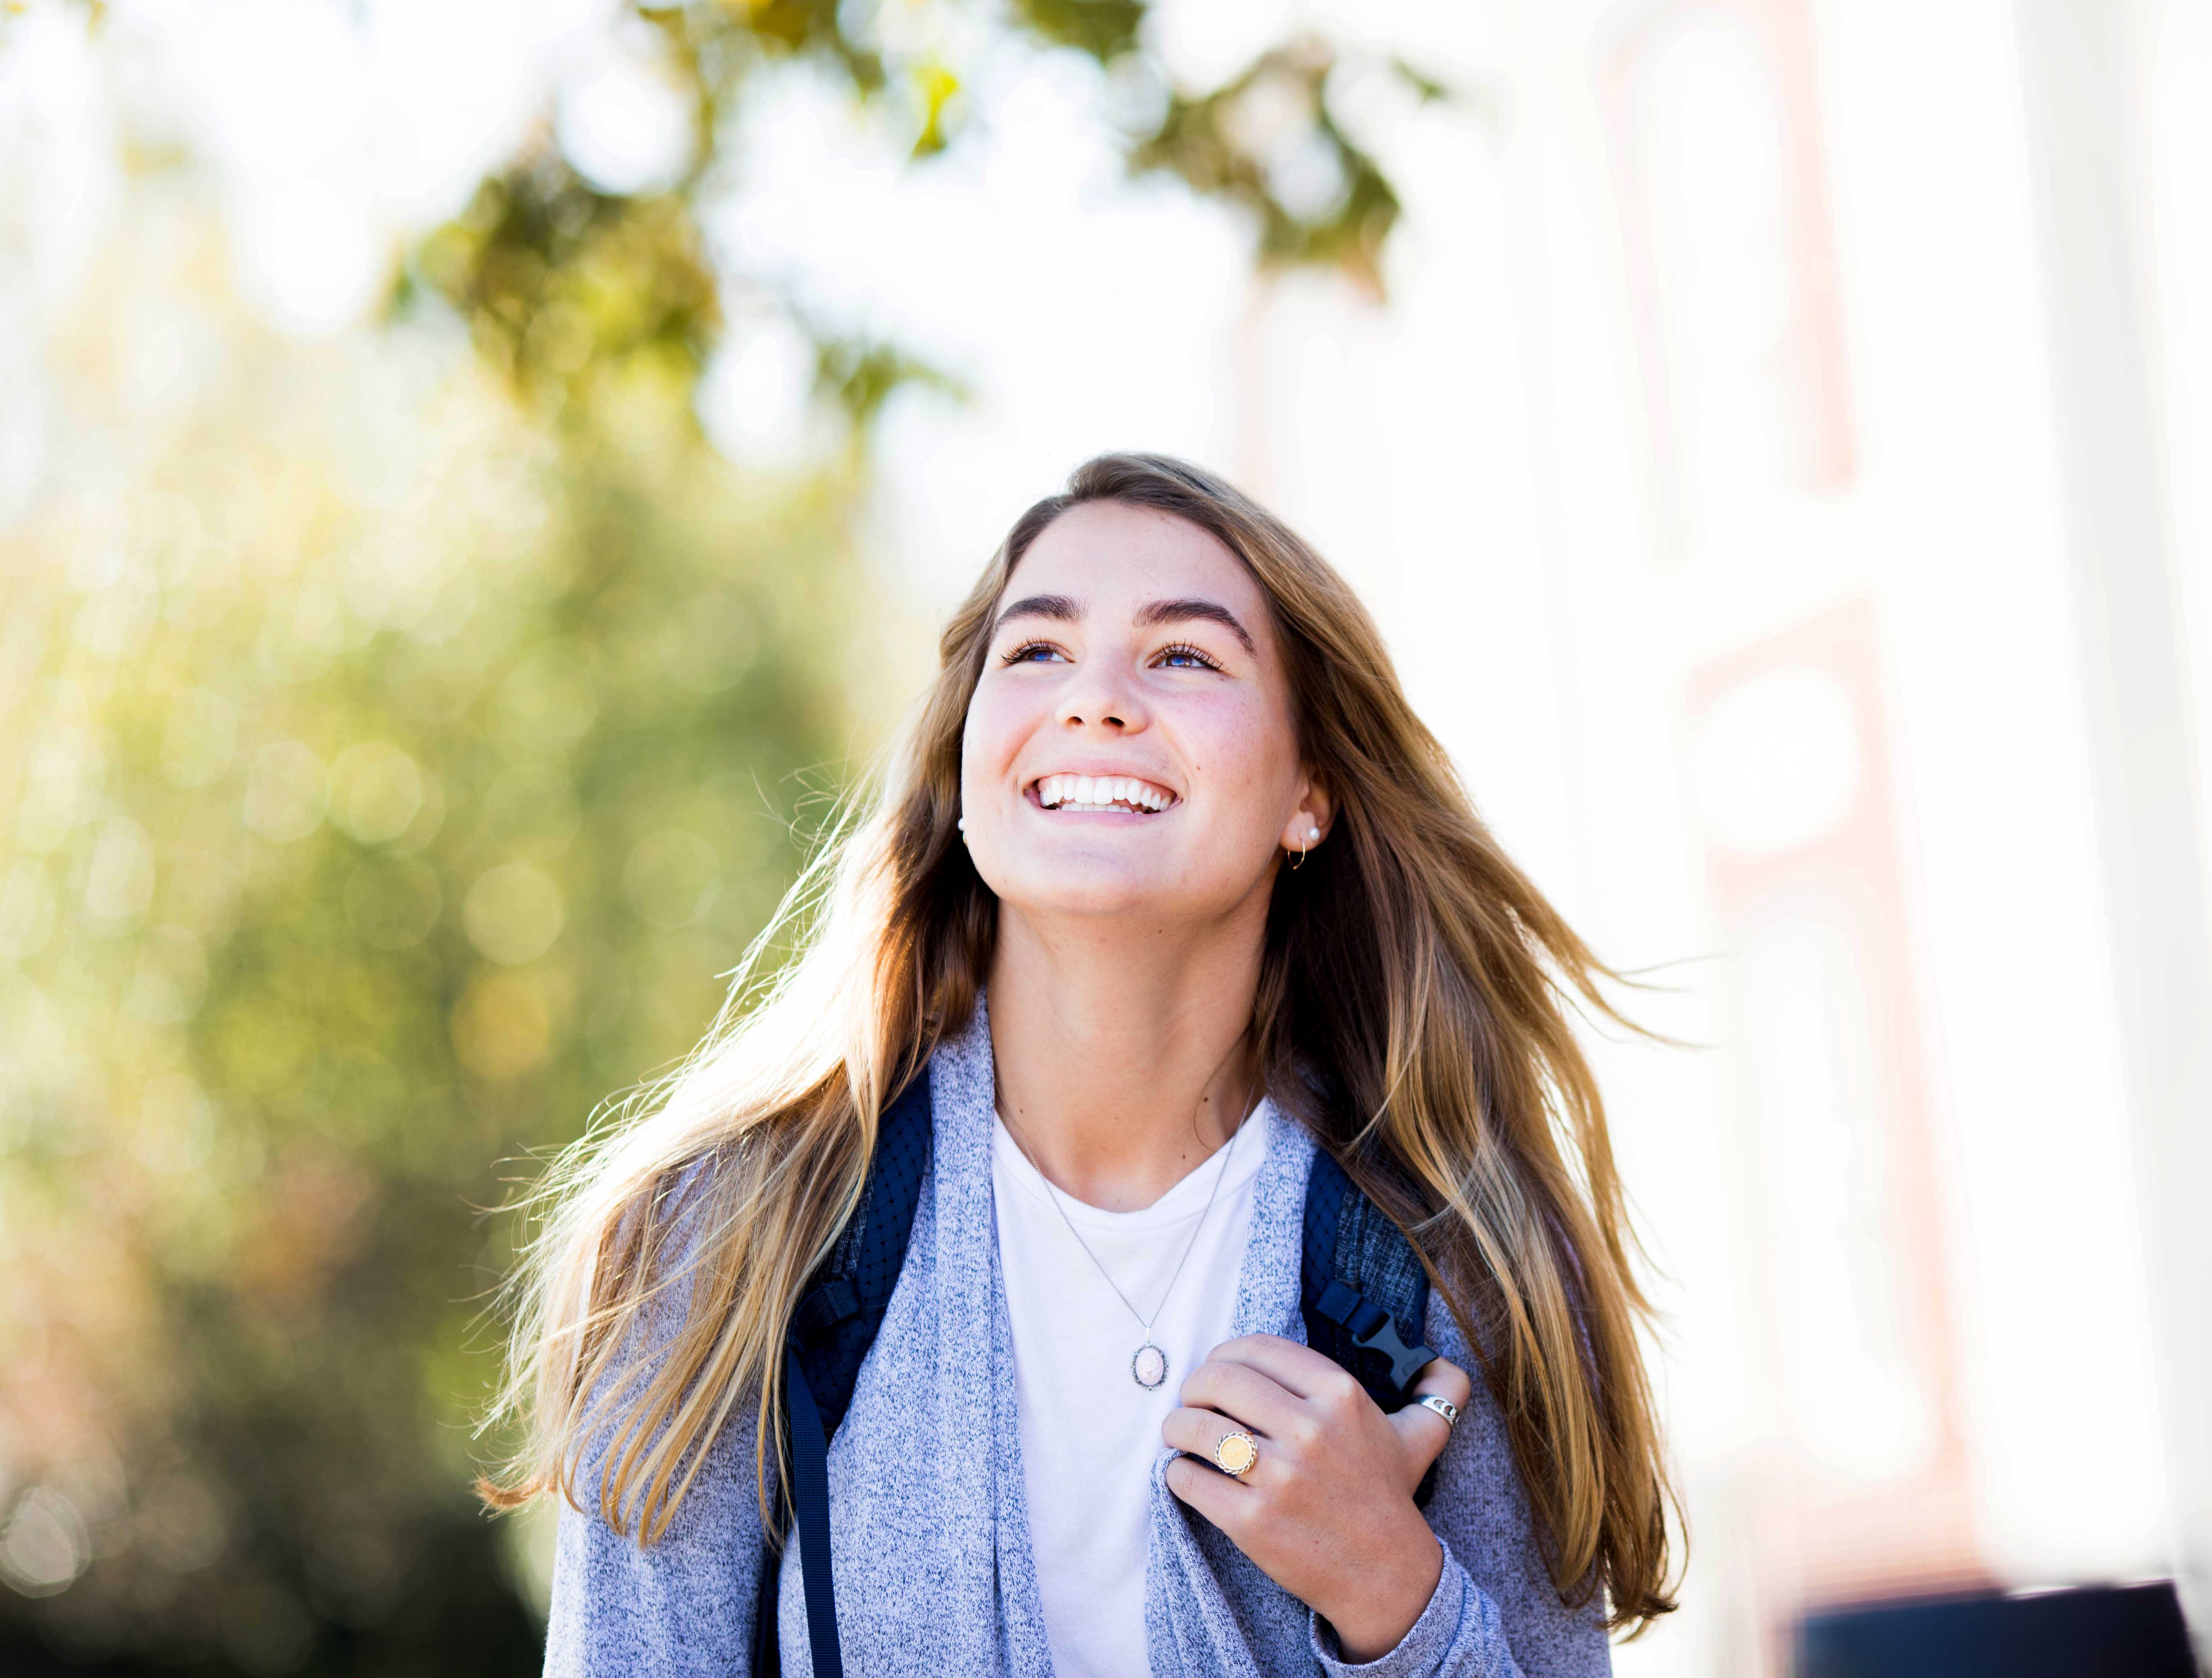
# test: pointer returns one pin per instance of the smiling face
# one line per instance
(1129, 747)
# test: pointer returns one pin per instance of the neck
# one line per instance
(1123, 1056)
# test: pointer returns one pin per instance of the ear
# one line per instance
(1310, 822)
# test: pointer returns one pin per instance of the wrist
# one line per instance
(1373, 1616)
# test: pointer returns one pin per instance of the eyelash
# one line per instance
(1178, 649)
(1185, 649)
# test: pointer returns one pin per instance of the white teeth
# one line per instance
(1094, 792)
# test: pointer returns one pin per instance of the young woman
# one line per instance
(1167, 893)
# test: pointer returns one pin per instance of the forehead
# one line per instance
(1114, 558)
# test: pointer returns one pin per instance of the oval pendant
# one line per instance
(1149, 1366)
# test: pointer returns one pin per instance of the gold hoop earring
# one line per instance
(1300, 862)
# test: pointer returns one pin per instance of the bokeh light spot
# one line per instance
(44, 1546)
(377, 792)
(502, 1027)
(200, 740)
(120, 882)
(60, 788)
(624, 126)
(286, 789)
(513, 913)
(180, 1524)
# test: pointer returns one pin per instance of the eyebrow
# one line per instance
(1061, 607)
(1183, 611)
(1065, 609)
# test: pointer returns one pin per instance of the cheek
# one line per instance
(1243, 747)
(997, 723)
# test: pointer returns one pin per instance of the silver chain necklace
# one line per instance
(1148, 1364)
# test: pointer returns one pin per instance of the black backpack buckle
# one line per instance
(1372, 1330)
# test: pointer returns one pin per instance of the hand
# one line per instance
(1327, 1511)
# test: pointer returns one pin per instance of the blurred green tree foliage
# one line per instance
(398, 736)
(399, 777)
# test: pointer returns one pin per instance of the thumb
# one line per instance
(1422, 1433)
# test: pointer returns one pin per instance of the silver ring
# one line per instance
(1443, 1407)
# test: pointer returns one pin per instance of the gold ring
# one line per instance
(1235, 1453)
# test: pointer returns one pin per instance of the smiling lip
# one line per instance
(1070, 793)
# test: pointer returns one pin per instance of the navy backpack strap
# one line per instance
(831, 1330)
(843, 1305)
(767, 1656)
(1364, 1292)
(810, 1498)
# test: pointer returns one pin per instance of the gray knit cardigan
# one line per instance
(929, 1532)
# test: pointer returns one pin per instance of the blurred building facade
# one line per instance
(1779, 476)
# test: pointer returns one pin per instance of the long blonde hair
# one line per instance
(1413, 1010)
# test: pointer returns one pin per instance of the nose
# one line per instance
(1097, 697)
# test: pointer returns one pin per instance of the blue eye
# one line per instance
(1183, 656)
(1031, 651)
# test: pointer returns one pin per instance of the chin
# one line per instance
(1096, 890)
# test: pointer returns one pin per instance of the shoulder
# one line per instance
(654, 1246)
(634, 1315)
(683, 1602)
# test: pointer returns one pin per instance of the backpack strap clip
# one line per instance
(1372, 1330)
(1348, 1241)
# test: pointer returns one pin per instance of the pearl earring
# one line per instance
(961, 824)
(1313, 835)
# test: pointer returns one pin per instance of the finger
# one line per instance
(1211, 1492)
(1198, 1431)
(1422, 1436)
(1243, 1394)
(1446, 1379)
(1300, 1369)
(1421, 1431)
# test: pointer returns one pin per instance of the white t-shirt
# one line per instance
(1089, 1433)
